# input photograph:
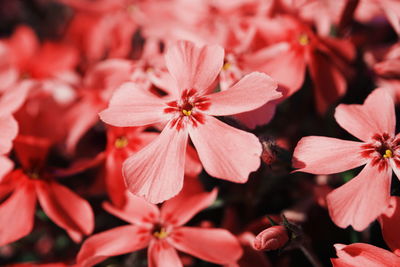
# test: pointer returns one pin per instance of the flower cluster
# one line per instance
(195, 132)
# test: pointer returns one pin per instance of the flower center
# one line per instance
(303, 39)
(121, 142)
(380, 149)
(188, 109)
(160, 232)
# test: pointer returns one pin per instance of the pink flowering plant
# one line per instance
(171, 133)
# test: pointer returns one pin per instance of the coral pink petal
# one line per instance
(360, 254)
(326, 155)
(194, 67)
(24, 45)
(156, 171)
(251, 92)
(114, 181)
(66, 209)
(224, 151)
(329, 82)
(162, 254)
(215, 245)
(6, 166)
(117, 241)
(135, 210)
(389, 67)
(13, 99)
(81, 118)
(184, 206)
(9, 130)
(17, 214)
(132, 106)
(258, 117)
(376, 115)
(361, 200)
(283, 63)
(392, 10)
(390, 221)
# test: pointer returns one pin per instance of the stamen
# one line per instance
(226, 66)
(388, 154)
(303, 39)
(121, 142)
(186, 112)
(161, 234)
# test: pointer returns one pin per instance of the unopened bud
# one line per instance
(272, 238)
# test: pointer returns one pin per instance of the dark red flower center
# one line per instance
(382, 148)
(188, 109)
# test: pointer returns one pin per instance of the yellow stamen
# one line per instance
(186, 112)
(121, 142)
(303, 39)
(161, 234)
(388, 154)
(34, 175)
(131, 8)
(226, 66)
(149, 69)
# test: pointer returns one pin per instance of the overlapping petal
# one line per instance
(224, 151)
(251, 92)
(156, 171)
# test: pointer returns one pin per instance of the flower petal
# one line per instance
(215, 245)
(361, 200)
(135, 210)
(359, 254)
(390, 221)
(66, 209)
(326, 155)
(156, 171)
(117, 241)
(224, 151)
(133, 106)
(9, 130)
(188, 203)
(260, 116)
(376, 115)
(19, 209)
(251, 92)
(194, 67)
(162, 254)
(6, 166)
(283, 63)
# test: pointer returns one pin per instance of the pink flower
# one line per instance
(359, 254)
(34, 182)
(162, 232)
(364, 198)
(272, 238)
(156, 172)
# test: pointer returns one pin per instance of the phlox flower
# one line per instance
(156, 172)
(162, 231)
(389, 221)
(360, 254)
(366, 196)
(34, 182)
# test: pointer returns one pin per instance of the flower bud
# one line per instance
(272, 238)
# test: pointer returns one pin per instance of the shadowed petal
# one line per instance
(66, 209)
(117, 241)
(214, 245)
(17, 214)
